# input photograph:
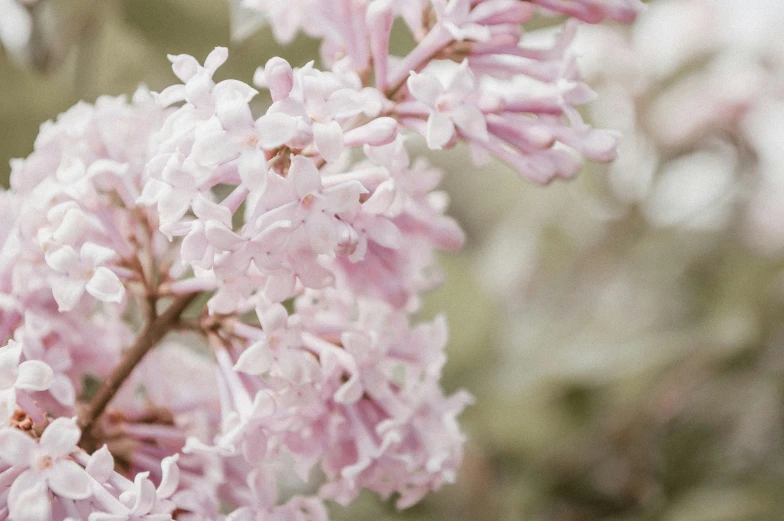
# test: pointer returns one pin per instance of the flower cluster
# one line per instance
(277, 260)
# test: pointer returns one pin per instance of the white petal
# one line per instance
(28, 499)
(425, 88)
(322, 235)
(16, 448)
(34, 375)
(471, 121)
(329, 140)
(184, 66)
(62, 390)
(72, 227)
(170, 478)
(69, 480)
(275, 129)
(305, 176)
(257, 359)
(95, 255)
(101, 465)
(105, 286)
(63, 259)
(440, 130)
(145, 494)
(9, 361)
(60, 438)
(252, 167)
(207, 210)
(221, 237)
(7, 404)
(67, 292)
(216, 58)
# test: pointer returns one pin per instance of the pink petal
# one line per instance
(349, 392)
(280, 78)
(254, 447)
(34, 375)
(384, 232)
(378, 132)
(69, 480)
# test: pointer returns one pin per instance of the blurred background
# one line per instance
(623, 333)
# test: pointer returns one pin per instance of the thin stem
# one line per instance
(153, 332)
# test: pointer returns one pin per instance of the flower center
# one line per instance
(44, 462)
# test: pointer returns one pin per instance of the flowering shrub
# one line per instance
(274, 261)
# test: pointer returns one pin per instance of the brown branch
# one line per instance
(152, 333)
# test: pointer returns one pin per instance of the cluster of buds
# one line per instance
(283, 256)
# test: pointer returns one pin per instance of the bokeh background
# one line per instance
(623, 333)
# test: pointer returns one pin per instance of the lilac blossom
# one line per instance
(243, 282)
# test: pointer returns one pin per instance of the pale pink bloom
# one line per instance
(46, 466)
(449, 106)
(85, 271)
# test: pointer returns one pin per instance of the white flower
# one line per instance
(32, 375)
(84, 271)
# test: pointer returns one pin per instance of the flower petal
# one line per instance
(96, 255)
(329, 140)
(69, 480)
(257, 359)
(60, 438)
(170, 478)
(28, 499)
(440, 131)
(67, 292)
(105, 286)
(275, 129)
(425, 88)
(100, 465)
(16, 448)
(305, 176)
(34, 375)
